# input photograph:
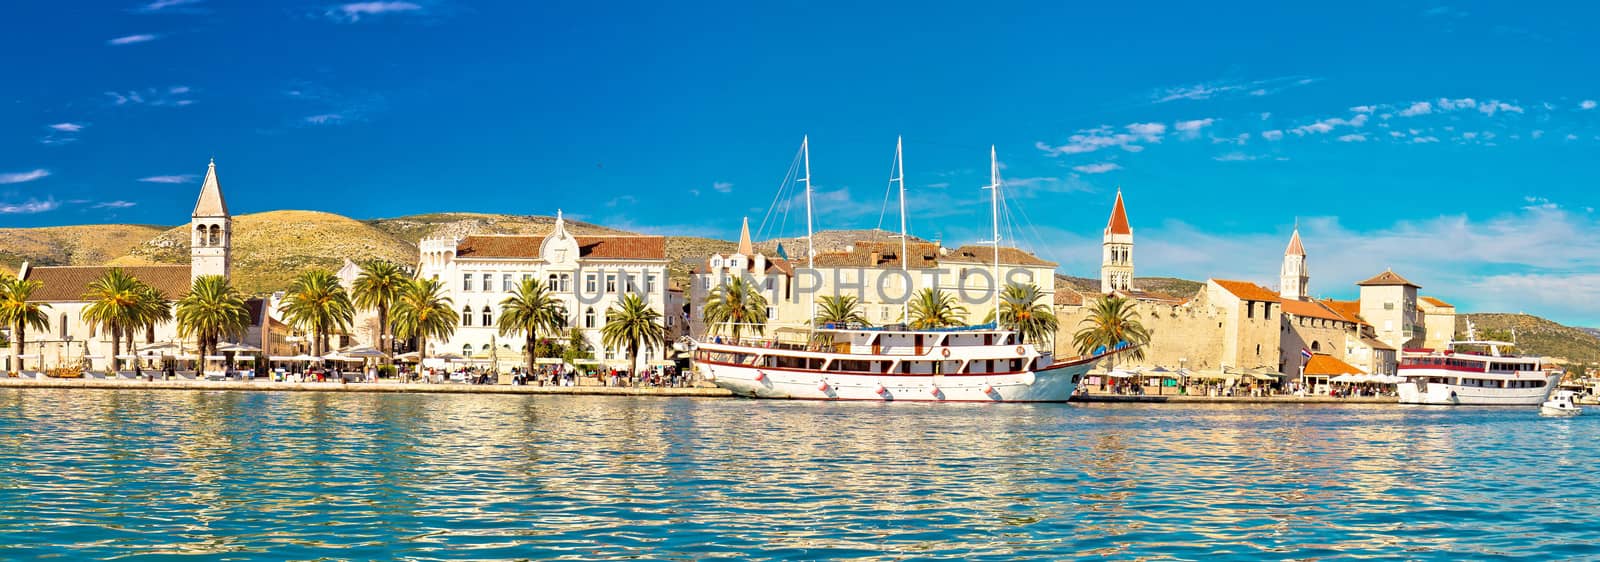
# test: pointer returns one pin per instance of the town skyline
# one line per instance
(1470, 173)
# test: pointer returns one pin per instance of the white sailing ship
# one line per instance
(1474, 372)
(969, 364)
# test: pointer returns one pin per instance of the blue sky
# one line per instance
(1454, 142)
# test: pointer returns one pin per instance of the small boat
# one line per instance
(1561, 405)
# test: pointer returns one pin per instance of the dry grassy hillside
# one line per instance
(269, 249)
(414, 228)
(1537, 336)
(1164, 285)
(70, 245)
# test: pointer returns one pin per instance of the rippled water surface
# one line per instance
(225, 475)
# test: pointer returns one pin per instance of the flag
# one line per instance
(781, 253)
(1306, 353)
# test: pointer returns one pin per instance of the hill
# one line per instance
(829, 241)
(1165, 285)
(413, 228)
(1537, 336)
(89, 244)
(270, 248)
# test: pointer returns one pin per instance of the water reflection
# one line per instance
(296, 475)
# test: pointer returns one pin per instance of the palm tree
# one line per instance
(1112, 321)
(531, 311)
(837, 309)
(19, 314)
(737, 304)
(212, 309)
(1021, 312)
(934, 308)
(632, 323)
(376, 288)
(422, 311)
(318, 304)
(155, 309)
(117, 303)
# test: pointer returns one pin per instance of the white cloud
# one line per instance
(1229, 88)
(325, 119)
(67, 127)
(1191, 129)
(1419, 108)
(1572, 137)
(1354, 137)
(1446, 104)
(31, 207)
(1489, 108)
(1363, 109)
(1098, 168)
(1424, 140)
(1536, 133)
(1272, 135)
(1327, 125)
(1090, 140)
(354, 11)
(722, 186)
(114, 205)
(177, 178)
(1235, 157)
(1469, 135)
(131, 39)
(159, 5)
(1586, 104)
(21, 177)
(175, 96)
(622, 200)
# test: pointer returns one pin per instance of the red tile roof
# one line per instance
(1329, 366)
(1295, 249)
(1119, 218)
(1350, 310)
(1312, 309)
(69, 283)
(1247, 291)
(1387, 278)
(1375, 343)
(1437, 302)
(1068, 297)
(626, 247)
(985, 255)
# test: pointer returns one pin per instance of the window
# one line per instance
(488, 282)
(466, 349)
(770, 283)
(611, 283)
(526, 277)
(1266, 310)
(200, 235)
(488, 316)
(589, 285)
(466, 316)
(466, 282)
(650, 283)
(216, 235)
(1316, 347)
(63, 326)
(1249, 309)
(552, 283)
(506, 283)
(1388, 306)
(771, 312)
(588, 318)
(566, 282)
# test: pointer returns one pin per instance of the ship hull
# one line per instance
(1055, 383)
(1442, 394)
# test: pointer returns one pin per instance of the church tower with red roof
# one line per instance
(1116, 260)
(1293, 277)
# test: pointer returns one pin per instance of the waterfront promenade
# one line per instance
(590, 390)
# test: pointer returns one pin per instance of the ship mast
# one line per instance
(994, 221)
(900, 176)
(811, 296)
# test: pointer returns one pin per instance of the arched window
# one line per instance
(566, 282)
(466, 316)
(63, 325)
(466, 349)
(1316, 347)
(588, 317)
(552, 283)
(488, 316)
(200, 235)
(216, 235)
(485, 347)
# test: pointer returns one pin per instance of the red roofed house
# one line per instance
(589, 273)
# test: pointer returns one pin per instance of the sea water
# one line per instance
(88, 474)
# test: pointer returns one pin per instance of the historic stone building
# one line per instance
(1231, 324)
(1116, 251)
(71, 341)
(588, 273)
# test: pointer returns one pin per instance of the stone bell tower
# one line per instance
(211, 230)
(1116, 261)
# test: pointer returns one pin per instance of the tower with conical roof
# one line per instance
(211, 239)
(1294, 277)
(1116, 261)
(746, 248)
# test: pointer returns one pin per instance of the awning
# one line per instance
(547, 361)
(216, 358)
(244, 358)
(227, 347)
(1121, 374)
